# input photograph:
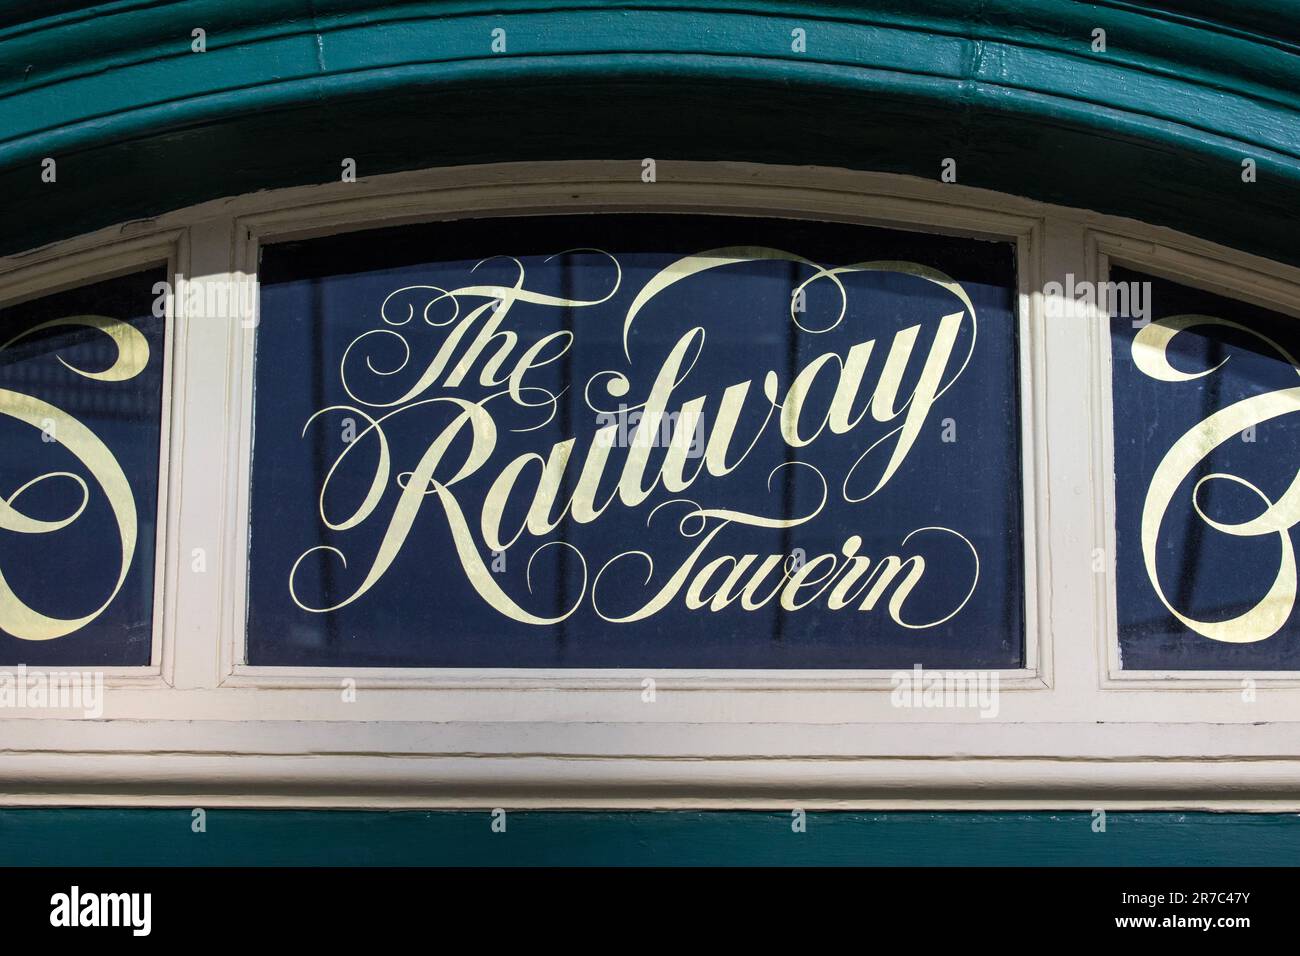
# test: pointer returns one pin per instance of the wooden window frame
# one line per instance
(199, 727)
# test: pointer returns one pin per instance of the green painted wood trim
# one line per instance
(152, 837)
(1155, 128)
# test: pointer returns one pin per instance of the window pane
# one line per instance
(1207, 458)
(81, 377)
(574, 442)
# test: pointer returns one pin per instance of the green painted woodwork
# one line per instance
(102, 837)
(1155, 128)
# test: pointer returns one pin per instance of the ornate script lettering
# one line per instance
(1275, 518)
(481, 382)
(17, 617)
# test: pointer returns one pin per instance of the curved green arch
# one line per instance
(1155, 128)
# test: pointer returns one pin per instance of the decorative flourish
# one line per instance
(132, 356)
(1151, 356)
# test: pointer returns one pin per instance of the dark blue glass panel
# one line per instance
(790, 560)
(1207, 457)
(81, 378)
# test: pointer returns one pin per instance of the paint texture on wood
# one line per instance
(85, 837)
(1155, 126)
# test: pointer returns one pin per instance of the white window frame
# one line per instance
(1228, 276)
(52, 270)
(254, 232)
(199, 725)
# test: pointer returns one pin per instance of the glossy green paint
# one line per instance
(1155, 128)
(532, 838)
